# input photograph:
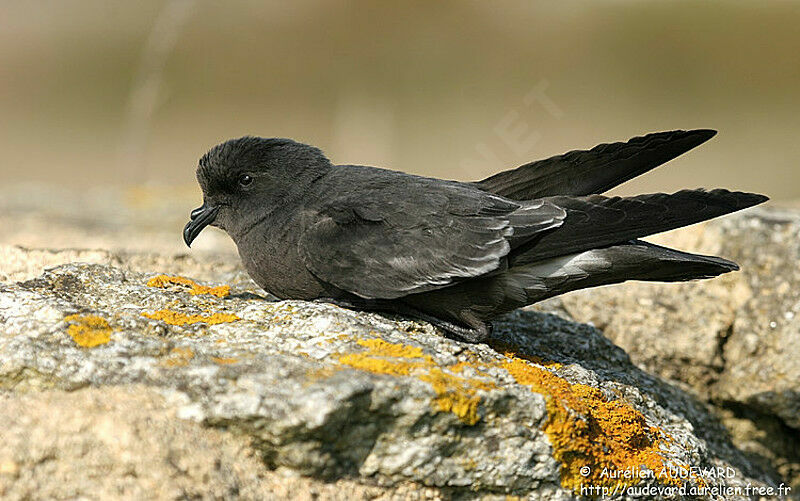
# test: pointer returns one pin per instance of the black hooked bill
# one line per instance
(200, 218)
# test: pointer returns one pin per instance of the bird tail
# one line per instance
(520, 286)
(476, 301)
(587, 172)
(636, 260)
(597, 221)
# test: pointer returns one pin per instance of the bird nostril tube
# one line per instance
(196, 212)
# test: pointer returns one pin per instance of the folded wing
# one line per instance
(598, 221)
(419, 242)
(586, 172)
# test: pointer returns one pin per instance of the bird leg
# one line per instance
(354, 303)
(477, 332)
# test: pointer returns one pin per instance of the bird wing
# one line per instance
(586, 172)
(417, 237)
(598, 221)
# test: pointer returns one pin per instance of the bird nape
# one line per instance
(456, 254)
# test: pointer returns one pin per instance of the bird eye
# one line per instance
(245, 180)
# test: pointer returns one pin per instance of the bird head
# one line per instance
(245, 179)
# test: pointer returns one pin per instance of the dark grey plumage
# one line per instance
(456, 254)
(587, 172)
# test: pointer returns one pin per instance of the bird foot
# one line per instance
(476, 333)
(468, 334)
(473, 334)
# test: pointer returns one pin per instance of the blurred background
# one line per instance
(120, 99)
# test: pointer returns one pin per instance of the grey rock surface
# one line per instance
(735, 340)
(334, 394)
(125, 442)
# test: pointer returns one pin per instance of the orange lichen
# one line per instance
(179, 357)
(89, 331)
(224, 361)
(164, 281)
(365, 362)
(587, 429)
(454, 394)
(177, 318)
(458, 367)
(381, 348)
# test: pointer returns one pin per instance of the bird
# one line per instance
(454, 254)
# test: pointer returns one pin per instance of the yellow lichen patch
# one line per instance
(88, 331)
(454, 394)
(179, 357)
(458, 367)
(381, 348)
(587, 429)
(177, 318)
(164, 281)
(223, 360)
(365, 362)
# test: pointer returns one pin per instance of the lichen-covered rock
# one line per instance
(734, 340)
(550, 408)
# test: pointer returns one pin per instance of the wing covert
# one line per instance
(385, 251)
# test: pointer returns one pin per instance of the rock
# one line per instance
(734, 340)
(125, 442)
(19, 263)
(331, 395)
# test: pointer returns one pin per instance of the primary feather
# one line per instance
(598, 221)
(587, 172)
